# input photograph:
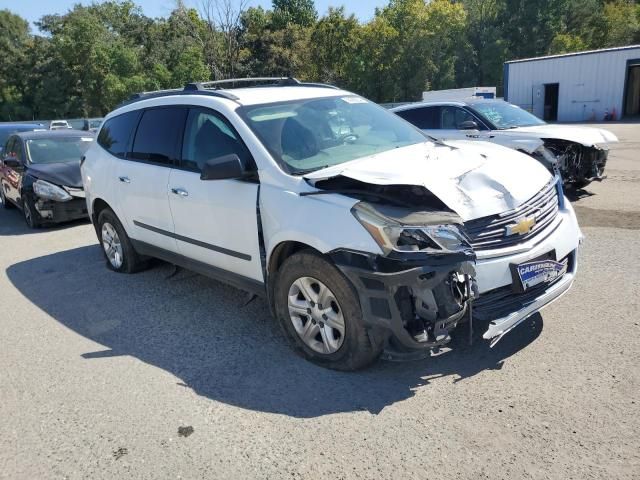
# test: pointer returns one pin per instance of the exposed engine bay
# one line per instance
(579, 165)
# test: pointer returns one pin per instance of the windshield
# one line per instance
(506, 115)
(56, 150)
(307, 135)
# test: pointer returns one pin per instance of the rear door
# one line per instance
(215, 220)
(426, 119)
(142, 176)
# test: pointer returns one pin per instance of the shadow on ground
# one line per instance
(12, 223)
(577, 194)
(198, 330)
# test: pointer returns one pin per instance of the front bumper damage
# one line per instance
(420, 302)
(579, 164)
(59, 212)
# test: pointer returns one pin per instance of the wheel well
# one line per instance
(279, 254)
(98, 206)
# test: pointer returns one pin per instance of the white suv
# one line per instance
(363, 235)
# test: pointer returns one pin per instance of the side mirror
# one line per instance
(468, 125)
(12, 162)
(227, 167)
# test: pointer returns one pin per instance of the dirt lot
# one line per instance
(154, 376)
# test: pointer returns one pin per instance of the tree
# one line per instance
(225, 17)
(482, 53)
(14, 40)
(622, 19)
(332, 41)
(296, 12)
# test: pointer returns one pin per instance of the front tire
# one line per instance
(30, 214)
(116, 245)
(330, 334)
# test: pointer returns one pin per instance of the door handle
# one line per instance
(124, 179)
(180, 191)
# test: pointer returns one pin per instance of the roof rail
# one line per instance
(265, 81)
(215, 89)
(136, 97)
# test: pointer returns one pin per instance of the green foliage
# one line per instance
(87, 60)
(294, 12)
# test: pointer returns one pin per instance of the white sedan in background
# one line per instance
(579, 153)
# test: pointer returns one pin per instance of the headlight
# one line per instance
(49, 191)
(393, 235)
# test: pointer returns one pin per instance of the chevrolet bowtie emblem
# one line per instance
(521, 227)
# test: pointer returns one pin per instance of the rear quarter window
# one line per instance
(115, 136)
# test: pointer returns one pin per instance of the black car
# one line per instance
(40, 174)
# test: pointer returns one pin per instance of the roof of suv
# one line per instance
(457, 103)
(272, 94)
(247, 91)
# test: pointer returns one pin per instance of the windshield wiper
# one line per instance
(355, 191)
(304, 171)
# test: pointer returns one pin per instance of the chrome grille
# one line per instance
(491, 232)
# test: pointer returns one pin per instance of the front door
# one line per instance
(12, 175)
(143, 177)
(215, 220)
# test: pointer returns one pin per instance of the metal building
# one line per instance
(576, 87)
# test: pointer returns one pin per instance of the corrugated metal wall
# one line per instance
(590, 84)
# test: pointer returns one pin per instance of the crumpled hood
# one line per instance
(64, 173)
(587, 136)
(474, 179)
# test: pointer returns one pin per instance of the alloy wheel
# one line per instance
(112, 245)
(316, 315)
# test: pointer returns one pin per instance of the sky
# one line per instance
(32, 10)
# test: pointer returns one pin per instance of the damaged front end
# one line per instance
(579, 165)
(422, 285)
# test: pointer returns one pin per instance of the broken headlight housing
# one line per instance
(430, 235)
(49, 191)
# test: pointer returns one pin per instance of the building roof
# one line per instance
(574, 54)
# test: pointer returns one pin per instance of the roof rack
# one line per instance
(264, 81)
(215, 89)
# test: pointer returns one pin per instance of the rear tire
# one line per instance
(342, 343)
(116, 245)
(4, 203)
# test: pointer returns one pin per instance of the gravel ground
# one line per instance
(159, 376)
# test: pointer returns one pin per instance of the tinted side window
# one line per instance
(208, 136)
(117, 132)
(19, 150)
(8, 148)
(453, 117)
(425, 117)
(158, 135)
